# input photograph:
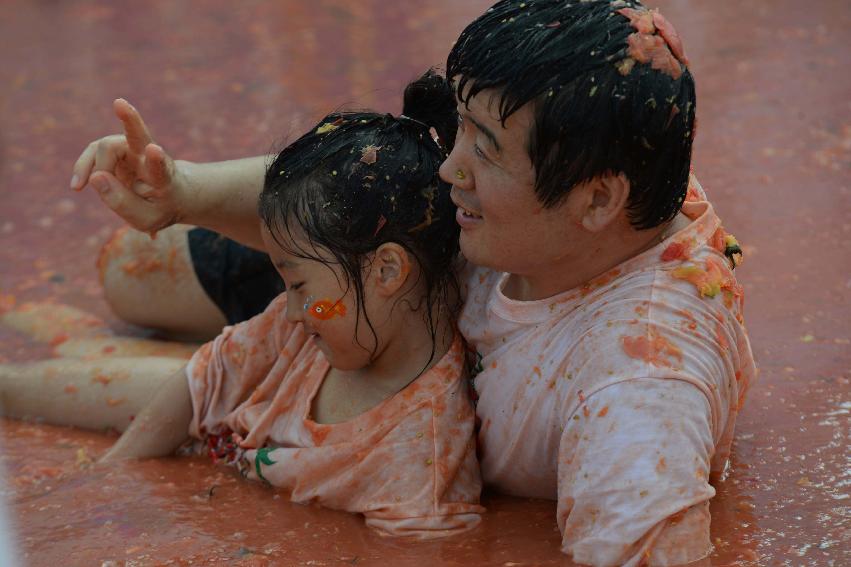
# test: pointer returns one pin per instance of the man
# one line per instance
(600, 300)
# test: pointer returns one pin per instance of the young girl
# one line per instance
(348, 389)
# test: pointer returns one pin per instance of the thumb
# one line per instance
(124, 202)
(158, 165)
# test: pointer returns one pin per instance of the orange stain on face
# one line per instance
(325, 309)
(71, 389)
(652, 348)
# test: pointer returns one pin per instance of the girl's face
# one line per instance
(319, 297)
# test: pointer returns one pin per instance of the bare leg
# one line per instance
(54, 323)
(152, 283)
(101, 394)
(79, 334)
(124, 347)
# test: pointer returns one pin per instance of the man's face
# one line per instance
(503, 226)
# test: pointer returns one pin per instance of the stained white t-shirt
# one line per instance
(408, 464)
(618, 398)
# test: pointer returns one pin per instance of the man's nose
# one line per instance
(452, 171)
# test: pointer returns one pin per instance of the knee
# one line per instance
(134, 268)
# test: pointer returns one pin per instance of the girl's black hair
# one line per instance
(360, 179)
(597, 109)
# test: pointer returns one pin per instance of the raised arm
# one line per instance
(141, 183)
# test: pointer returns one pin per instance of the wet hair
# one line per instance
(598, 109)
(360, 179)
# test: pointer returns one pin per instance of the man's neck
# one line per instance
(606, 252)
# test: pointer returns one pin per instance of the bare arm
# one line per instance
(141, 183)
(161, 427)
(222, 196)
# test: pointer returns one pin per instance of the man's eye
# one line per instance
(479, 152)
(460, 122)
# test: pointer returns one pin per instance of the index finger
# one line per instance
(134, 127)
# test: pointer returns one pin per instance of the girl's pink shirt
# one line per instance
(619, 398)
(408, 465)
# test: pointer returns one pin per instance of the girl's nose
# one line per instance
(295, 311)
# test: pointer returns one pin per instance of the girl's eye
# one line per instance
(460, 122)
(296, 286)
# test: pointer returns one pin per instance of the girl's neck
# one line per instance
(410, 350)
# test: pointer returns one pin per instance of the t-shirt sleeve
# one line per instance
(227, 370)
(417, 478)
(633, 473)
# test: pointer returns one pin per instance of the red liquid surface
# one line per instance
(218, 80)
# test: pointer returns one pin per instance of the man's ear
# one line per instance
(390, 268)
(606, 199)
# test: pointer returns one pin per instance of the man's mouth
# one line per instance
(469, 213)
(464, 210)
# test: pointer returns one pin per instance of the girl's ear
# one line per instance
(390, 268)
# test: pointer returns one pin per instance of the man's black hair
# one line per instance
(598, 109)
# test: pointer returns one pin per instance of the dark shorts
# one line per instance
(240, 280)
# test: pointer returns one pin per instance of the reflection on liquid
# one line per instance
(734, 524)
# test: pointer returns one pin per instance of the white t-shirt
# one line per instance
(618, 398)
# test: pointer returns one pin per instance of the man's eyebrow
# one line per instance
(484, 130)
